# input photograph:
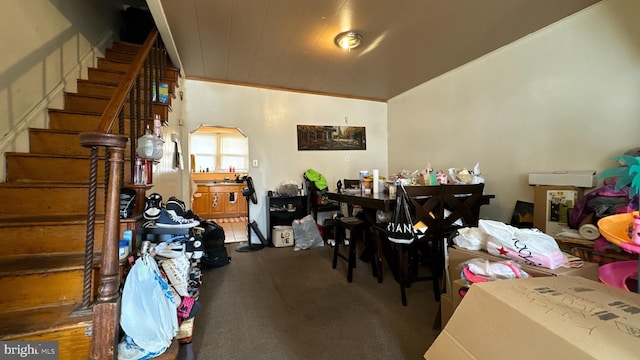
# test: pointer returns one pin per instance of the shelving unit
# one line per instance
(280, 213)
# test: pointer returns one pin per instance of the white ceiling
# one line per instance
(288, 44)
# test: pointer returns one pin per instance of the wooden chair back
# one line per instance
(461, 202)
(314, 200)
(427, 206)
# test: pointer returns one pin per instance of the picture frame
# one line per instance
(322, 137)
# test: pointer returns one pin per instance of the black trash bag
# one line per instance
(215, 252)
(400, 228)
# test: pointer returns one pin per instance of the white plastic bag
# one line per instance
(306, 234)
(528, 246)
(471, 238)
(148, 316)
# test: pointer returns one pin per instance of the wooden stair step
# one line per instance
(59, 142)
(96, 88)
(97, 104)
(59, 323)
(40, 264)
(115, 54)
(124, 51)
(80, 121)
(114, 76)
(51, 167)
(46, 199)
(99, 88)
(33, 322)
(170, 73)
(53, 234)
(106, 76)
(41, 280)
(124, 46)
(48, 235)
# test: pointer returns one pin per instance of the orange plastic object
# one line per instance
(615, 229)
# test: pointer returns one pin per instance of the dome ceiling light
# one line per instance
(348, 40)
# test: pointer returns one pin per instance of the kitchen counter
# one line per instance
(220, 183)
(217, 199)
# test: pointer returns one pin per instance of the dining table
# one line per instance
(370, 204)
(377, 201)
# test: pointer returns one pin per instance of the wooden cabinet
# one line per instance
(201, 201)
(219, 201)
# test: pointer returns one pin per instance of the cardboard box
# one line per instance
(584, 178)
(562, 317)
(448, 304)
(446, 310)
(458, 255)
(282, 236)
(552, 206)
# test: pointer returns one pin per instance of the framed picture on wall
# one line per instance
(317, 137)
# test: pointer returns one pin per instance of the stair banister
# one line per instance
(135, 86)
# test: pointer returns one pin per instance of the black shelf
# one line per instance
(277, 208)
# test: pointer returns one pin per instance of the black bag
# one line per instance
(215, 252)
(400, 228)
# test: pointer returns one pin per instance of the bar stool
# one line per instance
(357, 230)
(380, 233)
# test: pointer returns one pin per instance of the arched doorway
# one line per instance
(219, 163)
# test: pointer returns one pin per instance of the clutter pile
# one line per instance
(526, 246)
(161, 289)
(428, 176)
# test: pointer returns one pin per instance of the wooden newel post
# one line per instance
(106, 310)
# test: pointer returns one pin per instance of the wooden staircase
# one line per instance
(43, 220)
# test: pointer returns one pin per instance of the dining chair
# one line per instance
(461, 206)
(359, 230)
(315, 202)
(426, 202)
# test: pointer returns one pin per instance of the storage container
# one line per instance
(282, 236)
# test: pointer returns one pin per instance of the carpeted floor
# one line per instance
(279, 304)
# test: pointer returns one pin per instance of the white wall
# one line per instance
(167, 178)
(269, 119)
(46, 46)
(565, 97)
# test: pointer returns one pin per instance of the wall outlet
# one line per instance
(254, 163)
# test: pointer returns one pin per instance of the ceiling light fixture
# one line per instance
(348, 40)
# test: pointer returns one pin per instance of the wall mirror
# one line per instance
(218, 149)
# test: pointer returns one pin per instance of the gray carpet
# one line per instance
(279, 304)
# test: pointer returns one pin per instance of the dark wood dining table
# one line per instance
(370, 203)
(378, 201)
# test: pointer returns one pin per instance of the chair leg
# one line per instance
(378, 256)
(436, 288)
(336, 248)
(402, 273)
(351, 258)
